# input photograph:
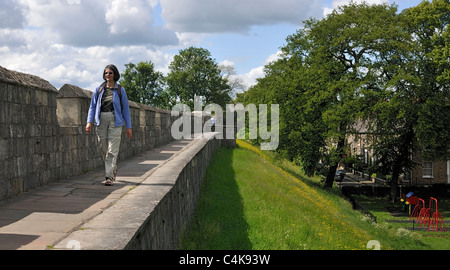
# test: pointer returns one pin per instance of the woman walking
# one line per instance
(109, 111)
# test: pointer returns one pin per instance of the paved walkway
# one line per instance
(352, 179)
(39, 219)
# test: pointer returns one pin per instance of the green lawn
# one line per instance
(391, 215)
(247, 202)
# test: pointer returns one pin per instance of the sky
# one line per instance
(71, 41)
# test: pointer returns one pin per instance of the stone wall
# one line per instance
(161, 230)
(42, 135)
(28, 126)
(155, 214)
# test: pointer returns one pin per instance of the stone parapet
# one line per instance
(42, 135)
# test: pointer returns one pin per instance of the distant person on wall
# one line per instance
(109, 111)
(213, 124)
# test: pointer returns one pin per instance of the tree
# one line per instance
(143, 84)
(428, 24)
(327, 79)
(301, 128)
(414, 111)
(228, 72)
(364, 63)
(194, 73)
(348, 52)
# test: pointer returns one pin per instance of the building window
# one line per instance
(427, 169)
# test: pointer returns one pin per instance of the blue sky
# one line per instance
(251, 50)
(70, 41)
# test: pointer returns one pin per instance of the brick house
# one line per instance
(427, 172)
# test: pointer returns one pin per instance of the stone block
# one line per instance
(7, 171)
(16, 186)
(42, 98)
(69, 112)
(4, 189)
(4, 112)
(58, 159)
(4, 131)
(4, 149)
(29, 182)
(20, 167)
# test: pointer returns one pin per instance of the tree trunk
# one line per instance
(402, 159)
(394, 184)
(333, 168)
(330, 176)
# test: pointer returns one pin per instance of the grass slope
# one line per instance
(247, 202)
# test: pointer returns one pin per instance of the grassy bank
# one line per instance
(247, 202)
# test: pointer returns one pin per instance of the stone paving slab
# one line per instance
(39, 219)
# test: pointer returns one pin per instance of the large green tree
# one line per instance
(364, 63)
(347, 54)
(193, 72)
(285, 83)
(428, 24)
(144, 84)
(333, 71)
(414, 111)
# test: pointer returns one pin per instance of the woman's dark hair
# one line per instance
(115, 70)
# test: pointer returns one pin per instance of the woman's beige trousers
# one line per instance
(109, 137)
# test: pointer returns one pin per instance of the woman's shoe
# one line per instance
(108, 182)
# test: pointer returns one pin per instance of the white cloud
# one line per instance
(226, 62)
(12, 38)
(78, 25)
(11, 15)
(91, 23)
(130, 22)
(72, 41)
(250, 78)
(127, 15)
(190, 39)
(213, 16)
(61, 64)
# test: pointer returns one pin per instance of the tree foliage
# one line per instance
(363, 63)
(429, 23)
(143, 84)
(415, 106)
(193, 72)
